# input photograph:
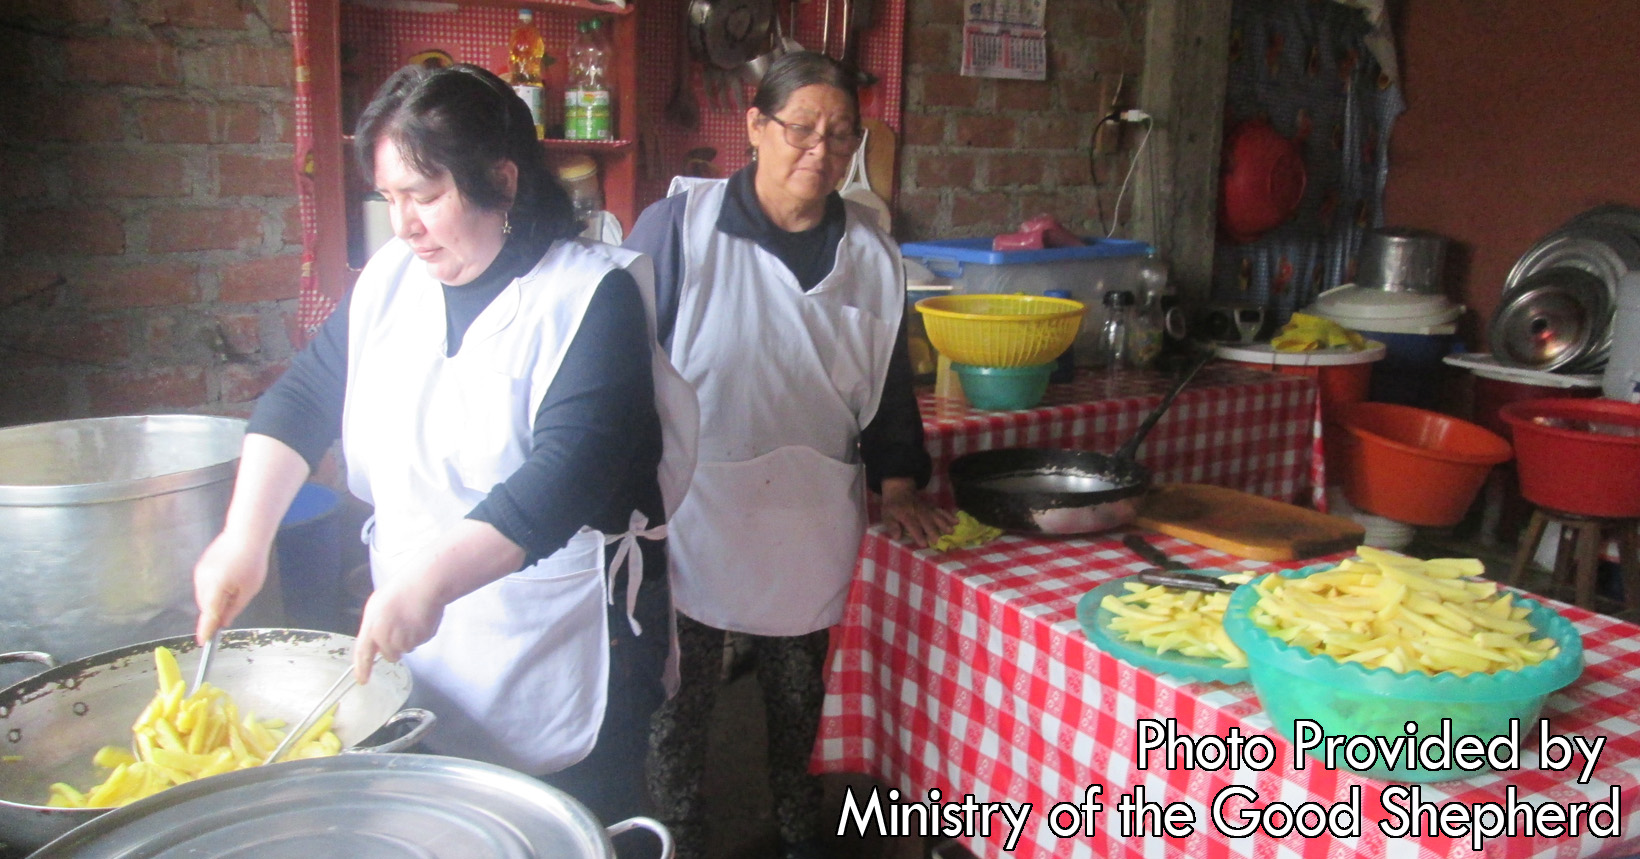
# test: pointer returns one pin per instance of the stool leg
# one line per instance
(1628, 556)
(1527, 547)
(1565, 553)
(1588, 561)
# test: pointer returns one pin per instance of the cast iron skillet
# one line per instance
(1050, 491)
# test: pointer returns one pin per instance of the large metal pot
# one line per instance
(1048, 491)
(361, 807)
(54, 722)
(101, 522)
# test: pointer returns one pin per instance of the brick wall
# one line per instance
(149, 240)
(980, 155)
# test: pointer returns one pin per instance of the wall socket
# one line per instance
(1107, 138)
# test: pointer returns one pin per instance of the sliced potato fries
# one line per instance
(1388, 610)
(180, 738)
(1168, 620)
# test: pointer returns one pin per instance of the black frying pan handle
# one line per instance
(1131, 447)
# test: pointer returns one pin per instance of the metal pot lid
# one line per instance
(359, 806)
(1599, 249)
(1549, 322)
(735, 31)
(1351, 303)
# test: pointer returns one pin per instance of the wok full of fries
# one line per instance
(180, 737)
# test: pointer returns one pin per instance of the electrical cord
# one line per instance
(1093, 163)
(1116, 211)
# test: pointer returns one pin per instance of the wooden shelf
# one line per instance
(337, 191)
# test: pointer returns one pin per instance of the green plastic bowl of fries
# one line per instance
(1384, 664)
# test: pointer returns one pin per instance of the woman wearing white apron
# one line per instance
(782, 306)
(493, 383)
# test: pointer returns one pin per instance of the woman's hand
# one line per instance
(230, 572)
(234, 566)
(406, 609)
(399, 617)
(907, 513)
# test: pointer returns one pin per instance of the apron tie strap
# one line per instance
(628, 551)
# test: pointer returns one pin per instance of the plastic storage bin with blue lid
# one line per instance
(1086, 272)
(974, 268)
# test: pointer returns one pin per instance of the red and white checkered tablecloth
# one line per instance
(1233, 426)
(967, 672)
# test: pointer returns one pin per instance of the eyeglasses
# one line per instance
(805, 137)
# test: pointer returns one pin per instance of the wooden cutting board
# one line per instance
(1245, 525)
(880, 152)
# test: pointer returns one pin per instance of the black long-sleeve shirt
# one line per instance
(892, 444)
(596, 439)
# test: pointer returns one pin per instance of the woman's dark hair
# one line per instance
(798, 69)
(464, 120)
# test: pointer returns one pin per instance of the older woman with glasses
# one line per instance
(783, 306)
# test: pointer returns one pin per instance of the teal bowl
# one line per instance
(1347, 699)
(1003, 388)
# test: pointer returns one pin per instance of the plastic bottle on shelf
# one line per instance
(1065, 369)
(524, 64)
(1114, 352)
(588, 93)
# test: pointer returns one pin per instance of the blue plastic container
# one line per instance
(1003, 388)
(308, 551)
(1349, 700)
(1410, 374)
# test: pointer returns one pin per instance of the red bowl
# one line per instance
(1413, 465)
(1261, 180)
(1578, 456)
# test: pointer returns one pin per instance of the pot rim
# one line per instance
(126, 489)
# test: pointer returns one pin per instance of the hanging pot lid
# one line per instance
(729, 33)
(1358, 307)
(359, 806)
(1550, 321)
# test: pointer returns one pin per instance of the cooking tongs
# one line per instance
(1171, 573)
(328, 700)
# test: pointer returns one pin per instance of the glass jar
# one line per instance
(579, 176)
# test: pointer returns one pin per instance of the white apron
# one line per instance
(518, 670)
(767, 538)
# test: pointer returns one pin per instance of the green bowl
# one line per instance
(1003, 388)
(1347, 699)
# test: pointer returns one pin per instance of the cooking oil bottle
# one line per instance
(524, 61)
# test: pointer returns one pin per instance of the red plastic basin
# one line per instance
(1578, 456)
(1413, 465)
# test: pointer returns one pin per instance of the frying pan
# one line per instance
(1050, 491)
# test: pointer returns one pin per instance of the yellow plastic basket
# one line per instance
(1001, 330)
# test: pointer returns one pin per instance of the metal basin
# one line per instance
(54, 722)
(101, 522)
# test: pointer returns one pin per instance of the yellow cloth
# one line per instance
(970, 532)
(1305, 333)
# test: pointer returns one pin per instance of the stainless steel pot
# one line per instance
(361, 807)
(1397, 259)
(101, 522)
(54, 722)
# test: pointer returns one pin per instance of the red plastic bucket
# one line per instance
(1578, 456)
(1341, 377)
(1413, 465)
